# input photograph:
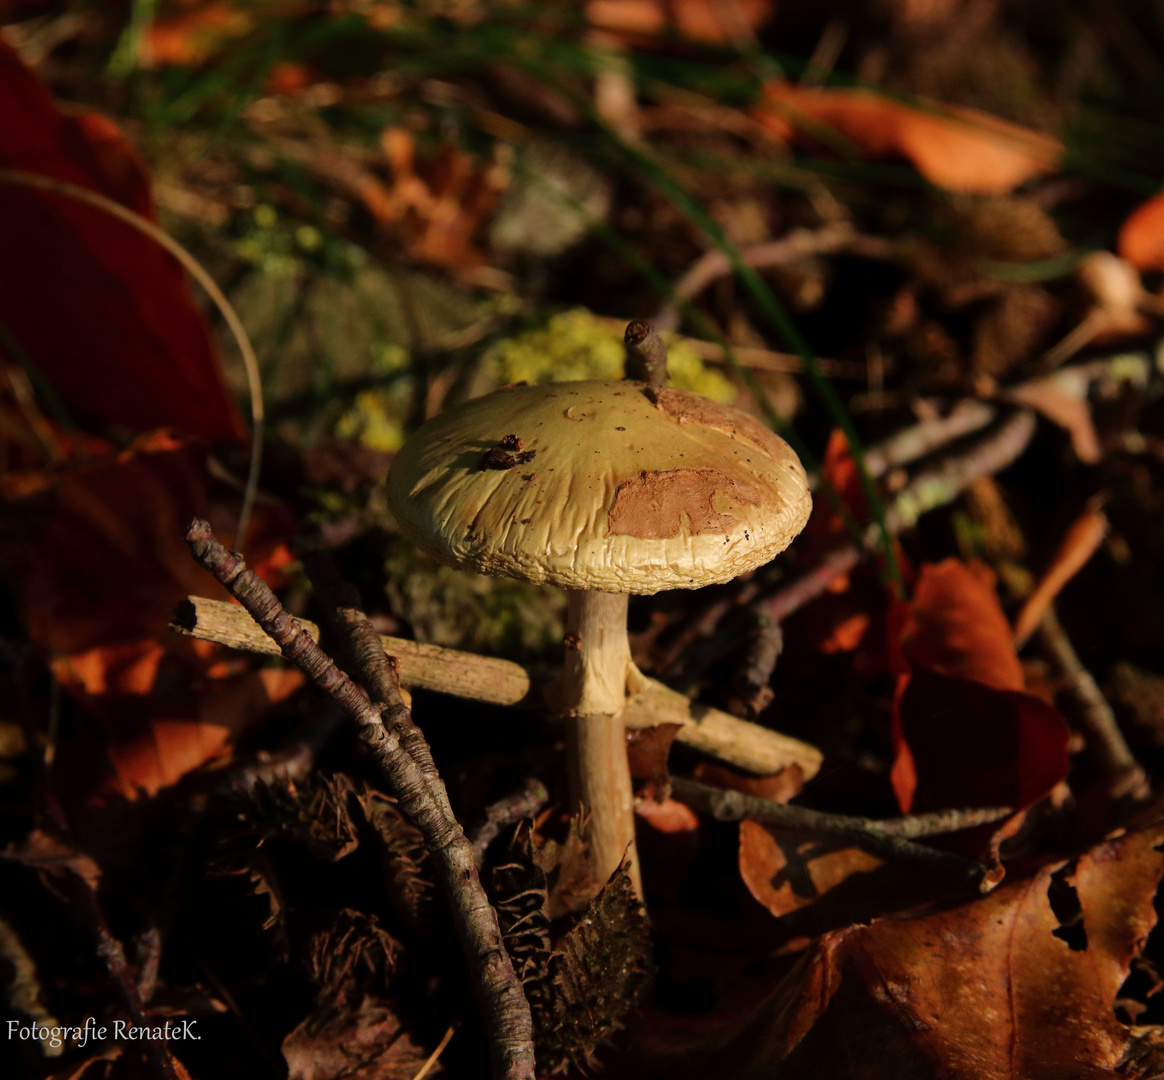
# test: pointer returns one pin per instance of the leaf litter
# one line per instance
(364, 182)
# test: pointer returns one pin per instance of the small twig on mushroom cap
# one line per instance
(506, 1012)
(646, 355)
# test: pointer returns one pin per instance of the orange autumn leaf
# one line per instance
(180, 737)
(102, 311)
(959, 628)
(785, 872)
(1141, 239)
(438, 205)
(959, 149)
(190, 37)
(97, 555)
(965, 732)
(712, 21)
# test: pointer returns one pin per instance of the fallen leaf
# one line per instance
(668, 816)
(1062, 399)
(190, 37)
(98, 557)
(647, 752)
(958, 626)
(997, 987)
(839, 482)
(1141, 239)
(178, 737)
(45, 853)
(964, 731)
(1080, 543)
(779, 787)
(784, 872)
(102, 311)
(438, 205)
(959, 149)
(363, 1043)
(712, 21)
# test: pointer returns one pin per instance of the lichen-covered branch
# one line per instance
(503, 1004)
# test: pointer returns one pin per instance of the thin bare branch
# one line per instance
(502, 1001)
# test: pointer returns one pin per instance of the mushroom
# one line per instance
(603, 489)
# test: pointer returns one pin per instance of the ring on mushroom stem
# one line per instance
(603, 489)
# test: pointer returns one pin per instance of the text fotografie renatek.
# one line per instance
(91, 1031)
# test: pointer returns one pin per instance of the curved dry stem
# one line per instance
(195, 269)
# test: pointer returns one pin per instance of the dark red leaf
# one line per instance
(101, 311)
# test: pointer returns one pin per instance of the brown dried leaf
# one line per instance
(567, 868)
(965, 733)
(1080, 543)
(647, 751)
(361, 1043)
(48, 855)
(987, 989)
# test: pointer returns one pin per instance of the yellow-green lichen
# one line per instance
(577, 345)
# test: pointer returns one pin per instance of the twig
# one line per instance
(295, 759)
(911, 443)
(379, 673)
(504, 1007)
(799, 244)
(759, 661)
(425, 667)
(502, 682)
(1119, 767)
(78, 876)
(195, 269)
(646, 355)
(426, 1068)
(937, 486)
(499, 815)
(892, 838)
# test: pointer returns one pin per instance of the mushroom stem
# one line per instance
(593, 692)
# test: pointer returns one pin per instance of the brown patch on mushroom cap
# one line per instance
(655, 505)
(685, 408)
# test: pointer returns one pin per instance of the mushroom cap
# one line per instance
(604, 486)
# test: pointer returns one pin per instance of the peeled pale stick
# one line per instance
(603, 489)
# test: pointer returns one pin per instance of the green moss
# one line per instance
(462, 610)
(576, 345)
